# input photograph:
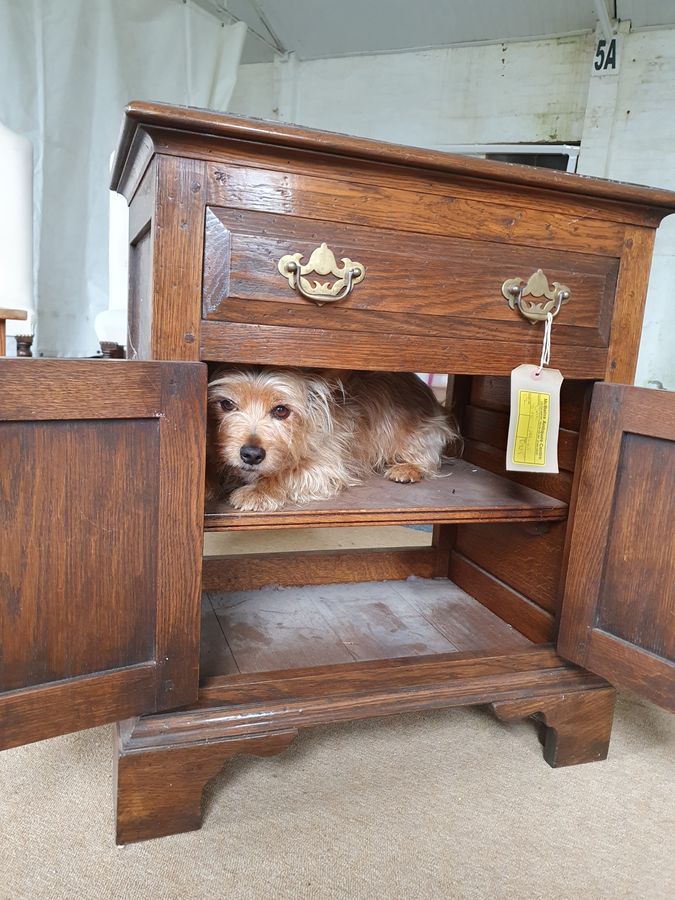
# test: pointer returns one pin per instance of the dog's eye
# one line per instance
(228, 405)
(280, 412)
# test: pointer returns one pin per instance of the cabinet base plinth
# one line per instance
(576, 728)
(159, 792)
(164, 761)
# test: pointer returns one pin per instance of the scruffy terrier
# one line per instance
(279, 436)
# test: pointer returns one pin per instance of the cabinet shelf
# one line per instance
(275, 629)
(464, 493)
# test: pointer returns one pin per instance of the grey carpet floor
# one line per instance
(450, 804)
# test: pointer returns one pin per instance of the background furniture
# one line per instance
(538, 574)
(14, 315)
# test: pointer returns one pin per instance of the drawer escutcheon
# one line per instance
(321, 262)
(517, 291)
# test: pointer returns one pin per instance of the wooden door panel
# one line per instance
(639, 567)
(101, 474)
(618, 614)
(74, 481)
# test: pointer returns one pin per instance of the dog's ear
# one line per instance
(335, 379)
(320, 401)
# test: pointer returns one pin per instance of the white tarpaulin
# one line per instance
(67, 69)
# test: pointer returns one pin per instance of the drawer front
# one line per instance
(426, 284)
(434, 269)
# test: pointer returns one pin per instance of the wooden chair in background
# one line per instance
(5, 314)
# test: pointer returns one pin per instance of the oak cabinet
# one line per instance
(101, 533)
(254, 242)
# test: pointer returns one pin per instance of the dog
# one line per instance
(281, 436)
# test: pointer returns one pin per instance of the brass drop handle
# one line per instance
(517, 291)
(321, 262)
(320, 298)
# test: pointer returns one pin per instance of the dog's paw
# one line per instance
(405, 473)
(252, 498)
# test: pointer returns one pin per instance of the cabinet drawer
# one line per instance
(418, 283)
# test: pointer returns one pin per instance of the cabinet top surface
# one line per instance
(210, 124)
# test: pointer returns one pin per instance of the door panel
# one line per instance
(101, 513)
(642, 568)
(65, 472)
(618, 614)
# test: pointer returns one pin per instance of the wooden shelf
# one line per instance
(289, 628)
(465, 493)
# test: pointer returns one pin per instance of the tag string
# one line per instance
(546, 347)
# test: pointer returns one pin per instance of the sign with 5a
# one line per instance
(607, 56)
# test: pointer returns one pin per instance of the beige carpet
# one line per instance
(449, 804)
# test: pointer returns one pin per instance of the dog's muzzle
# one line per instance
(251, 455)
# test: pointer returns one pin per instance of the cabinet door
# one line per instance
(101, 519)
(618, 613)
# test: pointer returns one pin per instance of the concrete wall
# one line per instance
(530, 92)
(493, 93)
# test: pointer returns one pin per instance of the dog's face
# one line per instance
(263, 422)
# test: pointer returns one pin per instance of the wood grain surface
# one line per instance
(272, 628)
(52, 390)
(164, 762)
(248, 571)
(462, 493)
(618, 608)
(160, 793)
(205, 122)
(514, 570)
(527, 557)
(392, 352)
(577, 727)
(629, 304)
(264, 703)
(178, 235)
(399, 204)
(511, 605)
(101, 477)
(428, 277)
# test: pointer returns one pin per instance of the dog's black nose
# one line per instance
(252, 455)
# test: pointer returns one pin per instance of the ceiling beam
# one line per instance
(263, 18)
(608, 29)
(220, 12)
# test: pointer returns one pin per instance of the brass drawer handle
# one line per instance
(517, 291)
(321, 262)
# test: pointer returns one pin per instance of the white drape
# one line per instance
(67, 69)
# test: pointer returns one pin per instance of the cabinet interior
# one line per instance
(487, 580)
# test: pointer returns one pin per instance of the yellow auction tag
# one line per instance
(529, 447)
(532, 444)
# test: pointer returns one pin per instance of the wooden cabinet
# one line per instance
(101, 466)
(536, 587)
(618, 613)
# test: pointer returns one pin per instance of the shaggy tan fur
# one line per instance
(319, 433)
